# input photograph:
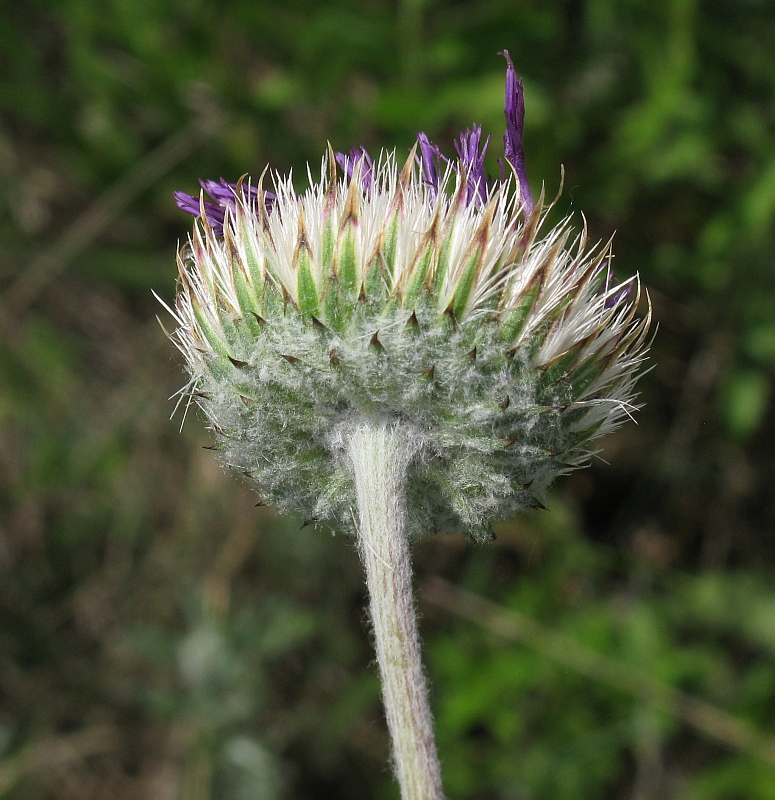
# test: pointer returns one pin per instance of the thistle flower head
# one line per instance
(423, 293)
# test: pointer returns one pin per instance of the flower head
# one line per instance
(426, 294)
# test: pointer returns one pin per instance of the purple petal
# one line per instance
(221, 191)
(214, 213)
(215, 216)
(367, 170)
(186, 202)
(225, 196)
(430, 159)
(344, 164)
(472, 160)
(225, 193)
(347, 163)
(512, 139)
(608, 283)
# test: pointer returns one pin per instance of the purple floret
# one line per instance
(225, 196)
(512, 139)
(222, 195)
(430, 159)
(608, 283)
(190, 204)
(347, 163)
(472, 160)
(471, 151)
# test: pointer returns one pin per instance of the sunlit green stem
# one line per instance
(380, 453)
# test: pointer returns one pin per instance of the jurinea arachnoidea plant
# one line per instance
(403, 346)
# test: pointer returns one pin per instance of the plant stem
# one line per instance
(380, 454)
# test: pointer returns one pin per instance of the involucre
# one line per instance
(425, 296)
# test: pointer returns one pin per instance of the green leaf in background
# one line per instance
(745, 401)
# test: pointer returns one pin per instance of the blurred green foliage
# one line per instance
(160, 637)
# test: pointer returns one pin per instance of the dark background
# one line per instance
(161, 638)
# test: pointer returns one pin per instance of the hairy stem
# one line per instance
(380, 454)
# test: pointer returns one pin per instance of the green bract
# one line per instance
(501, 350)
